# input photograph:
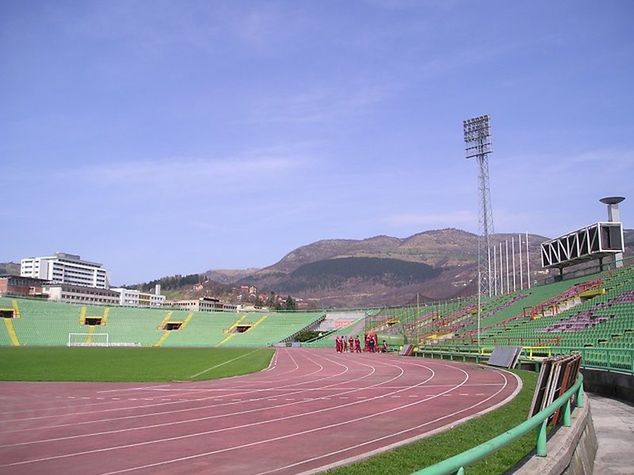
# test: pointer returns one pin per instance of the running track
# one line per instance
(311, 409)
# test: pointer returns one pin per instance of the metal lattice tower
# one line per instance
(477, 137)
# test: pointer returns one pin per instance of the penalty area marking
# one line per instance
(222, 364)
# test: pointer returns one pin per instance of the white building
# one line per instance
(65, 268)
(136, 298)
(81, 294)
(203, 304)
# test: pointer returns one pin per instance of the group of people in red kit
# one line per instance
(353, 344)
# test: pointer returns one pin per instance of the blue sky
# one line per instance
(163, 137)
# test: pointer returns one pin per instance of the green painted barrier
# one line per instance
(608, 359)
(539, 421)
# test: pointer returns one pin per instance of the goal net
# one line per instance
(88, 339)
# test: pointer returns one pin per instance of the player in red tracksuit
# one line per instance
(357, 344)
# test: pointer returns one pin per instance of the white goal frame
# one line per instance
(84, 336)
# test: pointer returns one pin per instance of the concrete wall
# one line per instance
(571, 450)
(609, 384)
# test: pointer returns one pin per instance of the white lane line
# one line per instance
(287, 436)
(166, 387)
(401, 372)
(170, 401)
(327, 409)
(137, 388)
(403, 442)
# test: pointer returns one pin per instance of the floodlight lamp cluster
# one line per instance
(476, 128)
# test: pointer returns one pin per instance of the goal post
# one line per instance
(88, 339)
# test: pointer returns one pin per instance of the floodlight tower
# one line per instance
(477, 137)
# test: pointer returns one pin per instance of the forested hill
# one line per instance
(333, 273)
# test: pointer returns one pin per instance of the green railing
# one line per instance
(539, 421)
(608, 359)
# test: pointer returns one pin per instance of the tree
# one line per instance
(271, 300)
(290, 303)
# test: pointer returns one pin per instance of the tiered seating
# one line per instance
(44, 323)
(414, 321)
(272, 328)
(134, 325)
(604, 321)
(512, 324)
(204, 329)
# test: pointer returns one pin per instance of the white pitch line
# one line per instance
(222, 364)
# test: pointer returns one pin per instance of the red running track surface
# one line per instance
(311, 409)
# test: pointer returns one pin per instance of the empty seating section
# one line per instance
(132, 325)
(5, 340)
(270, 328)
(203, 329)
(416, 320)
(594, 315)
(44, 323)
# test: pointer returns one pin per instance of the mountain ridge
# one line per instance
(451, 253)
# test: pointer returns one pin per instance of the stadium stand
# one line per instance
(595, 313)
(44, 323)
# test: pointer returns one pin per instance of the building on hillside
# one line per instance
(21, 286)
(136, 298)
(203, 304)
(81, 294)
(63, 268)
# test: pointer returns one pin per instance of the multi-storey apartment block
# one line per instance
(65, 268)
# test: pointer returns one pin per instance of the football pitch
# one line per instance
(129, 364)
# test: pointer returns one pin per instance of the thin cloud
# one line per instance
(170, 172)
(318, 105)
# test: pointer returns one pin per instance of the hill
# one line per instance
(380, 270)
(11, 268)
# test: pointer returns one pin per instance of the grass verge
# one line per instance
(129, 364)
(431, 450)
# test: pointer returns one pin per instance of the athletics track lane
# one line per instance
(311, 409)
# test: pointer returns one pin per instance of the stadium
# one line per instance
(109, 389)
(294, 201)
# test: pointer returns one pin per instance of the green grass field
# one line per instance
(129, 364)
